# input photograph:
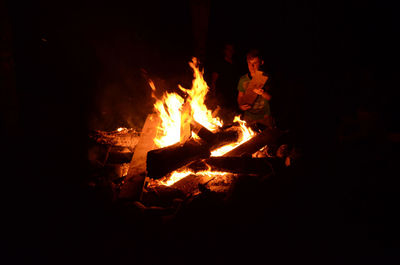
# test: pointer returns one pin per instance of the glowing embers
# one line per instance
(187, 183)
(178, 175)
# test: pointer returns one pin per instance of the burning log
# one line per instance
(237, 165)
(268, 136)
(190, 184)
(132, 189)
(227, 136)
(205, 134)
(218, 139)
(164, 160)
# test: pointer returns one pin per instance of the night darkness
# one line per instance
(77, 66)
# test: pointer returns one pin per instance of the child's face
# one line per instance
(253, 64)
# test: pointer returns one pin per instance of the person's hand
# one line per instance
(262, 93)
(245, 107)
(258, 91)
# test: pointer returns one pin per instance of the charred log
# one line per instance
(190, 184)
(162, 161)
(132, 188)
(215, 140)
(205, 134)
(268, 136)
(119, 157)
(161, 196)
(227, 136)
(237, 165)
(98, 153)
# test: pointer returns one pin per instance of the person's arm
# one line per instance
(240, 96)
(262, 90)
(239, 99)
(266, 95)
(263, 93)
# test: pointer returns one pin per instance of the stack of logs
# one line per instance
(195, 154)
(145, 160)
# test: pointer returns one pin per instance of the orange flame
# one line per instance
(170, 111)
(197, 96)
(247, 134)
(178, 175)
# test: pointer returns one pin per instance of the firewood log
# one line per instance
(268, 136)
(98, 153)
(227, 136)
(205, 134)
(164, 160)
(237, 165)
(220, 138)
(132, 189)
(119, 157)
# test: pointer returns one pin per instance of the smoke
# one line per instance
(122, 97)
(125, 47)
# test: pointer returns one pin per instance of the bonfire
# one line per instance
(183, 147)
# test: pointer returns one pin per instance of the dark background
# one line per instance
(76, 66)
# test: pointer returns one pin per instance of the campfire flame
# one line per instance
(169, 109)
(247, 134)
(197, 96)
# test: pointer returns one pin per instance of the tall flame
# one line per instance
(197, 96)
(170, 111)
(170, 119)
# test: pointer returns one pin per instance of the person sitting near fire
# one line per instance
(257, 110)
(224, 77)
